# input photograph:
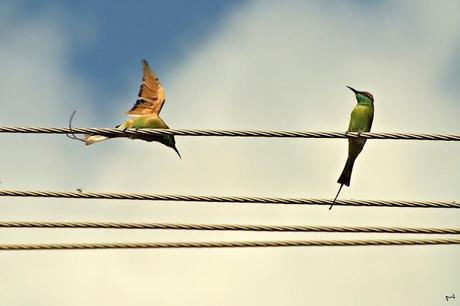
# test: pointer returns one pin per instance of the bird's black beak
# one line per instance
(353, 90)
(177, 151)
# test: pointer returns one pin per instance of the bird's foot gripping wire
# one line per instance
(131, 136)
(72, 134)
(358, 134)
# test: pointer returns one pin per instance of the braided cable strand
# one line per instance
(113, 132)
(229, 227)
(225, 199)
(229, 244)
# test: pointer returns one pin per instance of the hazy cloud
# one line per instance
(269, 65)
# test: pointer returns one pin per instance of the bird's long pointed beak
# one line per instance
(177, 151)
(352, 89)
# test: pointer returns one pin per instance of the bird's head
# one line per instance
(363, 97)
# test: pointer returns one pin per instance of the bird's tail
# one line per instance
(336, 196)
(345, 177)
(90, 139)
(346, 173)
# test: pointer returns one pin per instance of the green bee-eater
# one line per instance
(145, 112)
(360, 121)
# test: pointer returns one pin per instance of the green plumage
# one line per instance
(145, 113)
(360, 121)
(151, 122)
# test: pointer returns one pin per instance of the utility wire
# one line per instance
(229, 244)
(229, 227)
(131, 133)
(225, 199)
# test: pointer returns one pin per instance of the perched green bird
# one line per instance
(360, 121)
(146, 112)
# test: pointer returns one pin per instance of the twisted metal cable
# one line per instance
(229, 227)
(113, 132)
(226, 199)
(229, 244)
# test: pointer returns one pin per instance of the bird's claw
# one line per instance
(358, 134)
(133, 136)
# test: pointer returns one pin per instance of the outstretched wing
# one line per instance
(151, 94)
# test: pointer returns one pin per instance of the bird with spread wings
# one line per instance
(145, 113)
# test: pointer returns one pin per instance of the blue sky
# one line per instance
(240, 65)
(121, 33)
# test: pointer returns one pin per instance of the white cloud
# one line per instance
(269, 65)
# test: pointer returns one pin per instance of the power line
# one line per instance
(113, 132)
(229, 244)
(228, 227)
(225, 227)
(226, 199)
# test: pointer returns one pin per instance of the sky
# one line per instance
(230, 65)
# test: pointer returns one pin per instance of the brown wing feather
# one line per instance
(151, 95)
